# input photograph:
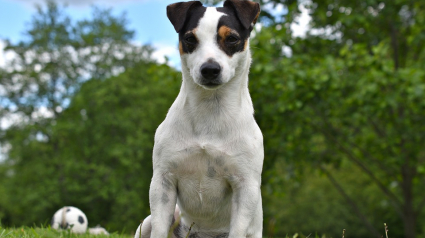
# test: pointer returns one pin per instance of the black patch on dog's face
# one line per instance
(233, 29)
(232, 37)
(187, 36)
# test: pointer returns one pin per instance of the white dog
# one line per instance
(208, 153)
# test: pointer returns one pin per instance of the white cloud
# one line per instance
(10, 120)
(4, 150)
(84, 3)
(301, 24)
(287, 51)
(300, 28)
(275, 10)
(2, 54)
(5, 56)
(17, 118)
(169, 51)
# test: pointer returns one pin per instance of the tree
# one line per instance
(37, 87)
(106, 138)
(58, 56)
(352, 90)
(350, 94)
(103, 157)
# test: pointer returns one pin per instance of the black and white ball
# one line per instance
(70, 218)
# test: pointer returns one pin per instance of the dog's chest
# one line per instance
(202, 172)
(203, 167)
(206, 152)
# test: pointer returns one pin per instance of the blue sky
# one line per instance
(147, 17)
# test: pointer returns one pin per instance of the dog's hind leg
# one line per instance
(146, 226)
(144, 229)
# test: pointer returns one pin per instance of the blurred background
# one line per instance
(338, 87)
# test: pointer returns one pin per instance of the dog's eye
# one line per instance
(232, 40)
(191, 40)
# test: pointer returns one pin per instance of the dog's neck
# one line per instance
(215, 112)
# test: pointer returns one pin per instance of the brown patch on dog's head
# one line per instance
(233, 29)
(185, 18)
(224, 31)
(181, 48)
(228, 39)
(236, 25)
(188, 41)
(256, 18)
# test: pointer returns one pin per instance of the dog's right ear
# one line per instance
(177, 13)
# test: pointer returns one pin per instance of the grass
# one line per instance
(29, 232)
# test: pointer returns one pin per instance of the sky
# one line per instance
(147, 17)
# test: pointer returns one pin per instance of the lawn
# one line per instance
(26, 232)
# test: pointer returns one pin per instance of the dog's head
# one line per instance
(214, 42)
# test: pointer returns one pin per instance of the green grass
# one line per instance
(28, 232)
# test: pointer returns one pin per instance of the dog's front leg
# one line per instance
(162, 197)
(246, 208)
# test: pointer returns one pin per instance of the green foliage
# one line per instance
(346, 95)
(59, 55)
(313, 205)
(82, 142)
(98, 156)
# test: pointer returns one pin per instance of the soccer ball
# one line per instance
(70, 218)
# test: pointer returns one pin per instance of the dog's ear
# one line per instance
(246, 11)
(177, 13)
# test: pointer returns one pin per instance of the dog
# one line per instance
(208, 152)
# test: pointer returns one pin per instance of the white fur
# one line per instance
(208, 152)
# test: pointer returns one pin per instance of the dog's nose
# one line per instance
(210, 70)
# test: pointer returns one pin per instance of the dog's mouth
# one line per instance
(211, 84)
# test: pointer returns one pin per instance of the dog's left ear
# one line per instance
(177, 13)
(246, 11)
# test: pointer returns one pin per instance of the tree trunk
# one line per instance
(409, 216)
(351, 202)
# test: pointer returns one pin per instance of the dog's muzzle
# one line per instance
(210, 72)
